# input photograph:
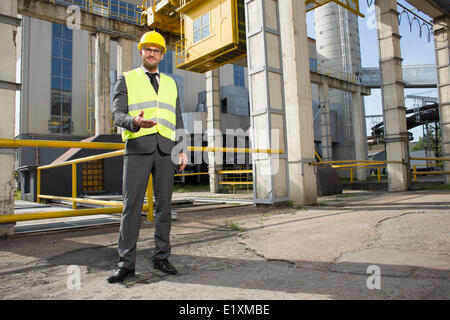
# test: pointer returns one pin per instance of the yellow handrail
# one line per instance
(10, 218)
(15, 143)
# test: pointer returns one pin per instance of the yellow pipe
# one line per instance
(57, 214)
(236, 182)
(350, 161)
(60, 144)
(90, 158)
(351, 174)
(379, 174)
(110, 145)
(83, 200)
(433, 172)
(38, 183)
(354, 165)
(190, 174)
(415, 173)
(235, 150)
(235, 171)
(10, 218)
(74, 185)
(150, 199)
(438, 159)
(318, 156)
(426, 165)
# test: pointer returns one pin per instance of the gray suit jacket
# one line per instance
(145, 144)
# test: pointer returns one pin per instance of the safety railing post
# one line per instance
(379, 174)
(150, 199)
(351, 175)
(74, 185)
(38, 185)
(414, 172)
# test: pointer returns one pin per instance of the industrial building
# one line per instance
(241, 65)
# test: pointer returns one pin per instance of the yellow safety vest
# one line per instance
(159, 107)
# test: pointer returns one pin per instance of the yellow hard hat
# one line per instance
(153, 38)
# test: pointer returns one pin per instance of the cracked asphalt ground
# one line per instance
(332, 250)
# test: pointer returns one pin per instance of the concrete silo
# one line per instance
(338, 52)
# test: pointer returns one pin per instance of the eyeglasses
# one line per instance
(150, 50)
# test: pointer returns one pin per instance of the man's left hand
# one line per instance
(183, 161)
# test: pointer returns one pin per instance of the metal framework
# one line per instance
(350, 5)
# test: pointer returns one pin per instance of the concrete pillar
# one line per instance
(267, 105)
(102, 84)
(359, 133)
(124, 60)
(298, 100)
(395, 130)
(8, 87)
(325, 122)
(441, 27)
(124, 55)
(214, 135)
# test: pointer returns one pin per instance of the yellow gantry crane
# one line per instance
(212, 32)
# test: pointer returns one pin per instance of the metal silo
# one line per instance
(338, 51)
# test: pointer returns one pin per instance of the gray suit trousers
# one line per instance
(136, 171)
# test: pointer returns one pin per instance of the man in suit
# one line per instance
(146, 104)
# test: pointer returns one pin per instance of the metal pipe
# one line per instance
(57, 214)
(150, 199)
(437, 159)
(235, 182)
(83, 200)
(235, 171)
(235, 150)
(74, 185)
(15, 143)
(38, 182)
(11, 218)
(110, 145)
(190, 174)
(85, 159)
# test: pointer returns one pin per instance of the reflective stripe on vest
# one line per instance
(159, 107)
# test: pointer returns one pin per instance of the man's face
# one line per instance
(151, 57)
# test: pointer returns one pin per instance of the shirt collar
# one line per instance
(146, 70)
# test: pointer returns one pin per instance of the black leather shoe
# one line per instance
(120, 274)
(165, 266)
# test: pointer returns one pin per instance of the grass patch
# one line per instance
(190, 188)
(344, 195)
(296, 206)
(438, 187)
(233, 226)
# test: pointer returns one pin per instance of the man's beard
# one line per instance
(150, 66)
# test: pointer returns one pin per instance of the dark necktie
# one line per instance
(154, 81)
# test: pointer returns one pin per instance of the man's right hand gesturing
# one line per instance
(141, 122)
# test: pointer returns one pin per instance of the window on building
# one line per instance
(224, 105)
(201, 27)
(239, 79)
(61, 85)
